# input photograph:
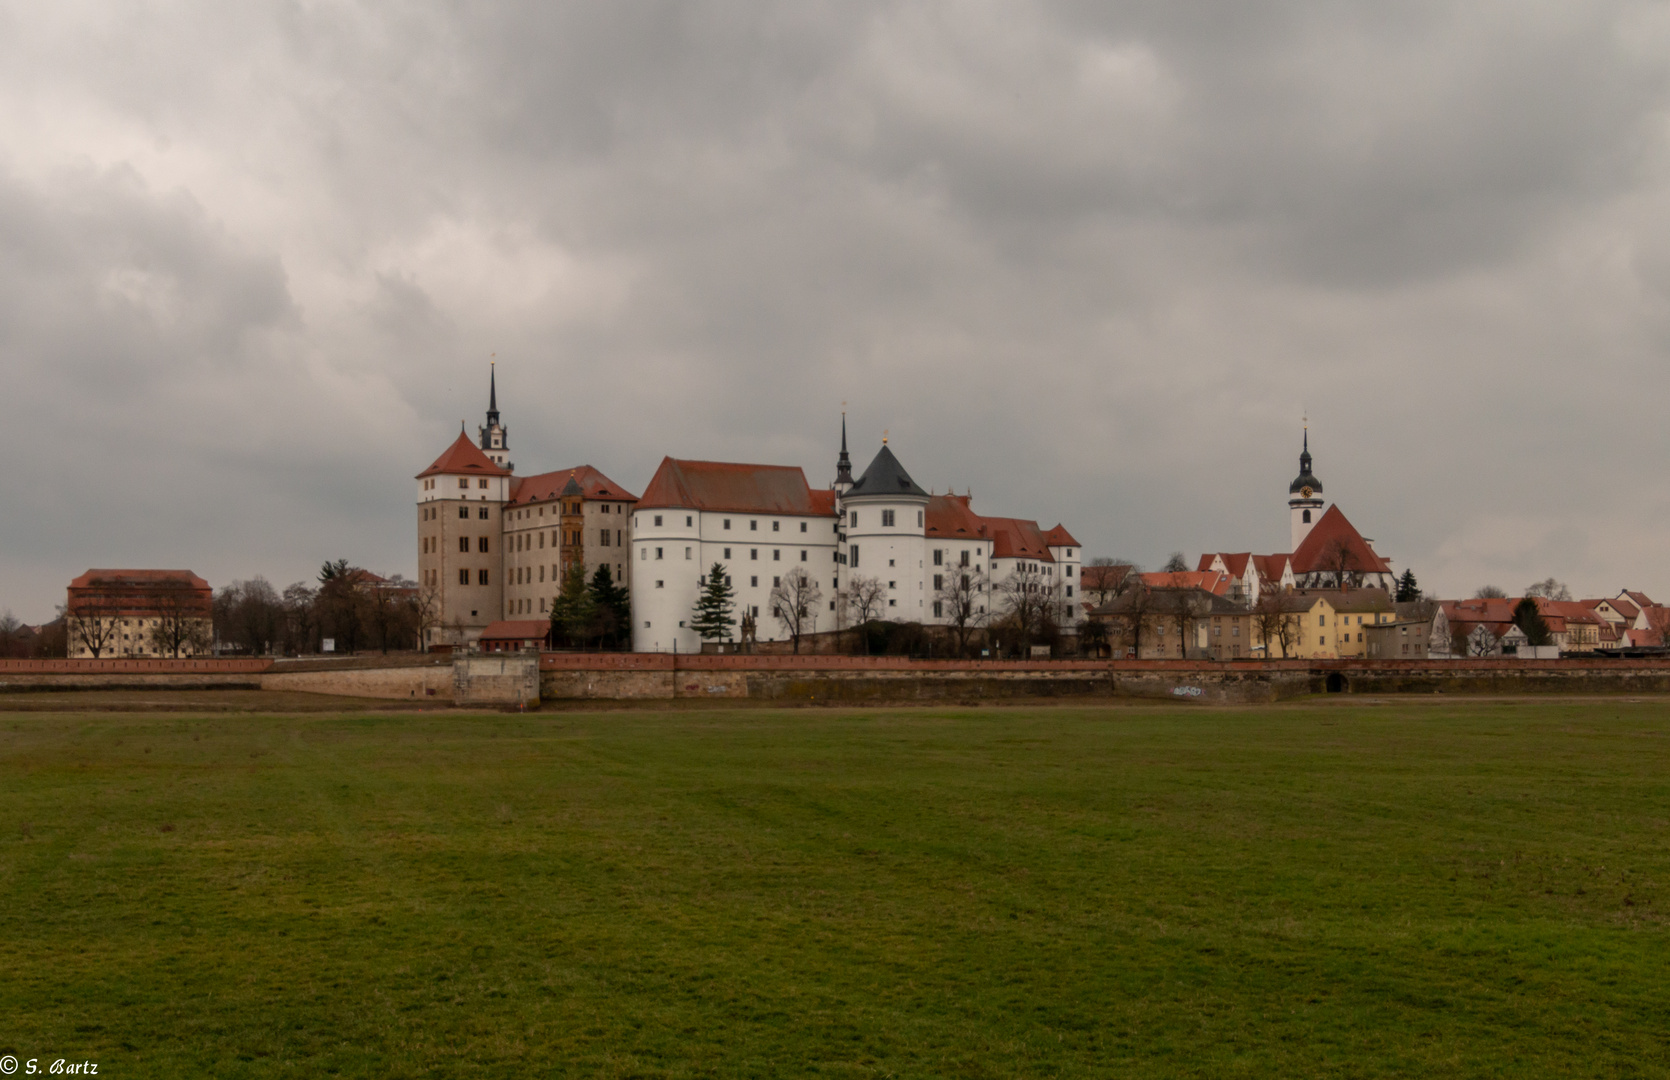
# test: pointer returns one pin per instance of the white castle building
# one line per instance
(763, 522)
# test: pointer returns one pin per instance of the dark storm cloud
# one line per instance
(1091, 260)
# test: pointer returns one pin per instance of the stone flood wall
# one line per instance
(412, 682)
(17, 676)
(496, 679)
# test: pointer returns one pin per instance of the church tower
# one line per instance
(495, 437)
(843, 464)
(1304, 502)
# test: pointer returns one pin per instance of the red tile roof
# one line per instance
(1640, 599)
(544, 487)
(1208, 580)
(1060, 537)
(1333, 531)
(949, 516)
(1013, 538)
(743, 489)
(142, 579)
(464, 457)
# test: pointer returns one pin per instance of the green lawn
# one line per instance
(1440, 889)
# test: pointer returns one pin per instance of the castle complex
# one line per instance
(495, 546)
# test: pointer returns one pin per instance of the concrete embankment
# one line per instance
(525, 679)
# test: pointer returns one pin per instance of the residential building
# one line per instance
(139, 613)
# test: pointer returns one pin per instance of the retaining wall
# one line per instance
(38, 675)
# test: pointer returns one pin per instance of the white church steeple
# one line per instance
(1305, 502)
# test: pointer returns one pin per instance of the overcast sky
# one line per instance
(1092, 260)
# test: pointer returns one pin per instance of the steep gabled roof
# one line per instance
(1013, 538)
(742, 489)
(1639, 598)
(1271, 567)
(594, 487)
(1333, 532)
(1060, 537)
(464, 458)
(948, 516)
(885, 476)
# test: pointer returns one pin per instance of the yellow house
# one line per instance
(1335, 620)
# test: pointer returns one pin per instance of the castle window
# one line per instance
(887, 519)
(727, 523)
(852, 557)
(689, 521)
(604, 538)
(542, 539)
(482, 483)
(964, 561)
(776, 554)
(802, 554)
(754, 581)
(481, 577)
(753, 553)
(802, 526)
(919, 519)
(727, 553)
(463, 482)
(463, 511)
(658, 553)
(776, 526)
(658, 519)
(481, 545)
(776, 581)
(686, 553)
(481, 512)
(754, 526)
(463, 577)
(854, 520)
(464, 543)
(1307, 517)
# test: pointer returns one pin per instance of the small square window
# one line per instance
(657, 519)
(660, 584)
(753, 526)
(753, 553)
(754, 581)
(776, 526)
(727, 553)
(727, 523)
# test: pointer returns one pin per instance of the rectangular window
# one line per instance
(919, 519)
(603, 538)
(727, 523)
(776, 554)
(463, 577)
(542, 578)
(776, 581)
(481, 544)
(754, 581)
(481, 577)
(754, 553)
(887, 519)
(463, 483)
(1322, 620)
(657, 519)
(481, 512)
(802, 554)
(1069, 590)
(939, 557)
(776, 526)
(727, 553)
(939, 583)
(802, 526)
(643, 553)
(660, 584)
(463, 511)
(939, 610)
(688, 520)
(852, 556)
(686, 553)
(754, 525)
(854, 520)
(464, 544)
(658, 553)
(964, 561)
(892, 584)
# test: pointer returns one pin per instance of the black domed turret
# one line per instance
(1306, 478)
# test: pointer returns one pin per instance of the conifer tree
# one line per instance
(1528, 617)
(612, 605)
(714, 607)
(572, 612)
(1407, 590)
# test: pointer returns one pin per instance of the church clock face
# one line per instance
(1305, 491)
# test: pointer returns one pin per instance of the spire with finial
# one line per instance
(495, 437)
(843, 464)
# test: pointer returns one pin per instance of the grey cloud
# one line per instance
(1089, 259)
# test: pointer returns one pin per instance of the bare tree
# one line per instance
(301, 618)
(14, 642)
(1027, 597)
(1489, 592)
(1102, 579)
(864, 599)
(1482, 641)
(94, 623)
(249, 614)
(1191, 605)
(1549, 589)
(794, 600)
(1128, 614)
(1341, 564)
(1177, 564)
(182, 622)
(962, 596)
(1275, 621)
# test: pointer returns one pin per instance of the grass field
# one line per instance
(1443, 889)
